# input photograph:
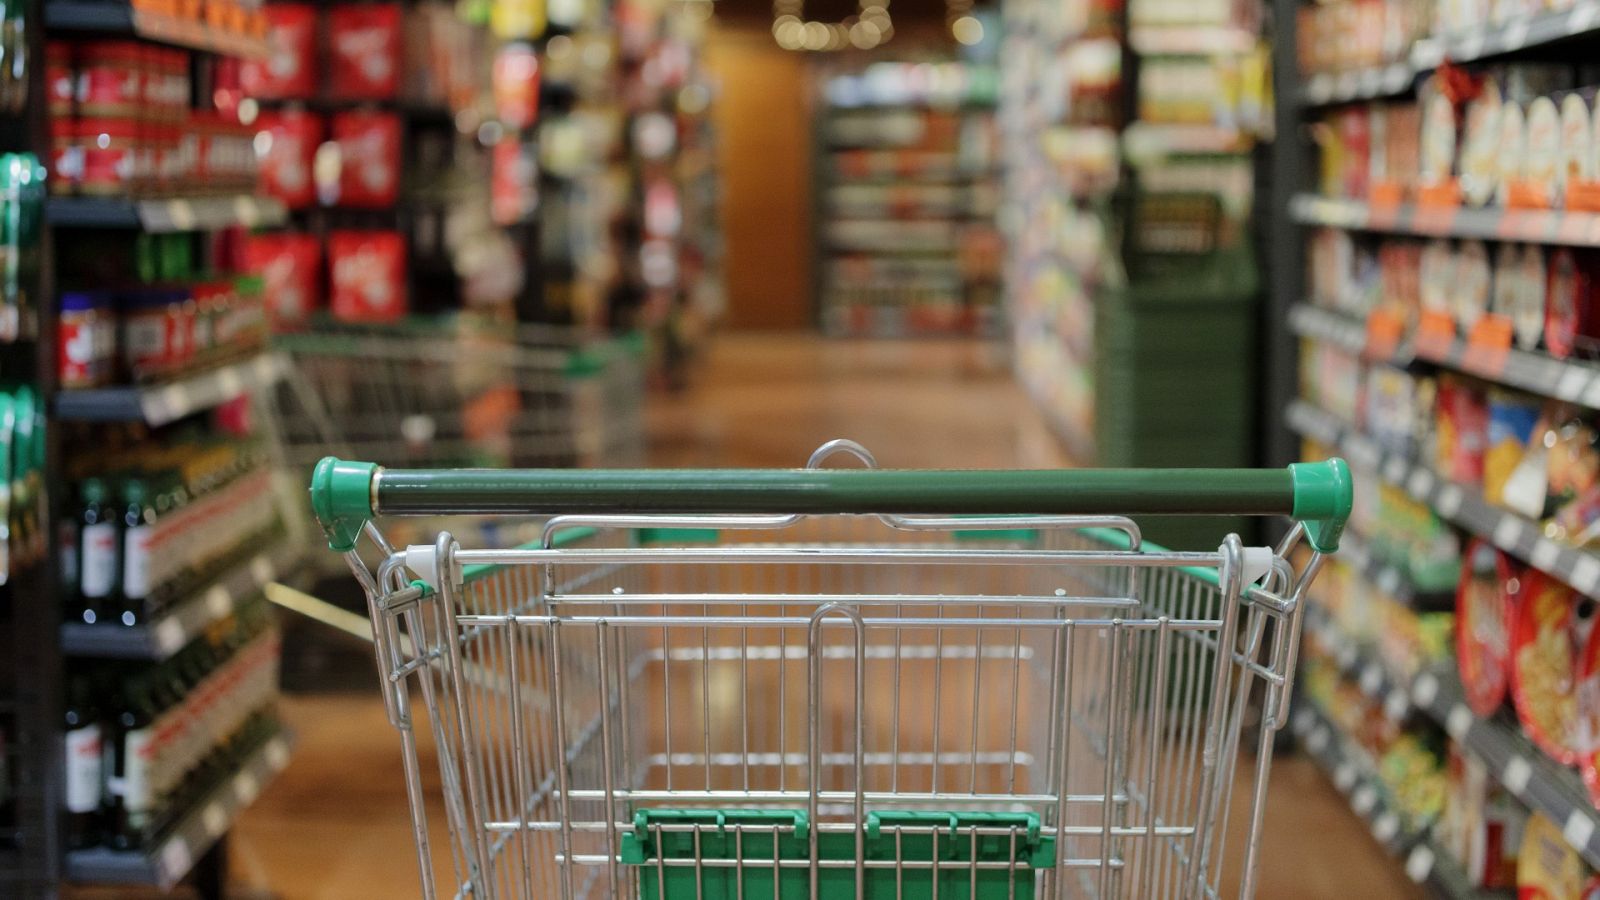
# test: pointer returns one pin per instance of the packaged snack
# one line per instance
(291, 70)
(1527, 317)
(364, 51)
(1551, 625)
(1506, 285)
(1513, 421)
(368, 275)
(369, 158)
(1513, 157)
(1484, 613)
(1438, 140)
(1577, 131)
(1472, 284)
(1402, 136)
(1479, 149)
(1573, 482)
(1437, 277)
(286, 152)
(1544, 172)
(291, 266)
(1548, 868)
(515, 84)
(1462, 428)
(1569, 303)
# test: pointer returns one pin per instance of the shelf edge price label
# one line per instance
(1436, 335)
(1488, 345)
(1385, 330)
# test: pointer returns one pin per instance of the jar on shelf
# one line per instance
(86, 336)
(113, 156)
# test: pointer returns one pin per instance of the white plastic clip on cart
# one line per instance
(835, 683)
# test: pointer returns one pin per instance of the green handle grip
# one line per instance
(345, 495)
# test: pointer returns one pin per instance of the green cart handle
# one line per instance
(346, 495)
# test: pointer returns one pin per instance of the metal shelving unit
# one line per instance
(1534, 226)
(171, 858)
(186, 619)
(1537, 780)
(1461, 505)
(116, 17)
(159, 404)
(1571, 381)
(168, 214)
(1356, 779)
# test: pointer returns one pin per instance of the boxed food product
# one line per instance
(1461, 430)
(291, 70)
(286, 153)
(369, 158)
(364, 51)
(291, 266)
(1484, 614)
(367, 271)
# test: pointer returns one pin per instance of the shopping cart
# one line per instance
(456, 393)
(835, 683)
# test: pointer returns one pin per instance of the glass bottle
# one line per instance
(99, 551)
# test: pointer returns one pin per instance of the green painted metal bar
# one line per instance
(345, 494)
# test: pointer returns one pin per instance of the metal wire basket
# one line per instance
(882, 684)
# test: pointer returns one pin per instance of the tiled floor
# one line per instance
(335, 826)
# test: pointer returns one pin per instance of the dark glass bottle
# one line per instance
(138, 533)
(84, 767)
(133, 808)
(99, 552)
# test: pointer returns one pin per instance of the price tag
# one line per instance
(1488, 345)
(181, 212)
(1516, 775)
(1458, 721)
(1385, 330)
(1386, 827)
(1364, 800)
(1581, 18)
(1419, 865)
(1344, 777)
(1436, 335)
(1371, 679)
(1425, 689)
(1586, 574)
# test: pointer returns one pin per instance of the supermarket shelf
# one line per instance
(1189, 40)
(1353, 775)
(112, 17)
(185, 620)
(1534, 778)
(163, 403)
(1459, 504)
(166, 215)
(1354, 551)
(1358, 84)
(164, 864)
(1536, 373)
(1145, 142)
(1461, 47)
(1535, 226)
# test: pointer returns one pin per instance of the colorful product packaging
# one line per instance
(364, 51)
(291, 140)
(368, 275)
(291, 266)
(369, 158)
(1550, 629)
(1485, 610)
(291, 70)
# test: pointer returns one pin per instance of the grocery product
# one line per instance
(364, 50)
(1550, 627)
(1479, 148)
(1570, 314)
(1527, 316)
(1513, 158)
(369, 158)
(286, 145)
(1461, 430)
(1513, 421)
(1485, 610)
(1543, 174)
(367, 270)
(1548, 868)
(291, 264)
(291, 70)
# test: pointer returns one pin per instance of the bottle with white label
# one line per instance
(128, 785)
(83, 768)
(138, 532)
(99, 552)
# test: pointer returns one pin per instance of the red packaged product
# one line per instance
(1485, 611)
(515, 80)
(110, 78)
(290, 264)
(291, 70)
(369, 155)
(364, 51)
(291, 140)
(111, 156)
(1462, 429)
(1569, 310)
(60, 77)
(1549, 632)
(1356, 133)
(368, 274)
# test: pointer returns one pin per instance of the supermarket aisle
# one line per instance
(335, 826)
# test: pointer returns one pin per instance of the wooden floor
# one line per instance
(335, 827)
